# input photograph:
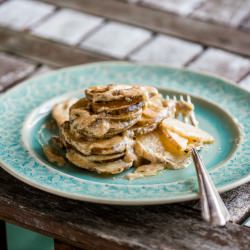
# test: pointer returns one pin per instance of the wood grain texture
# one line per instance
(227, 12)
(130, 1)
(59, 245)
(237, 202)
(42, 51)
(246, 24)
(13, 69)
(222, 63)
(93, 226)
(183, 27)
(3, 236)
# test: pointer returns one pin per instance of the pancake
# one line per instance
(113, 167)
(95, 126)
(100, 158)
(114, 145)
(114, 93)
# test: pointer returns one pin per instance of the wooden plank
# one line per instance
(42, 51)
(222, 63)
(22, 14)
(180, 7)
(103, 40)
(227, 12)
(68, 26)
(59, 245)
(13, 69)
(245, 83)
(183, 27)
(167, 50)
(246, 24)
(93, 226)
(130, 1)
(238, 202)
(3, 236)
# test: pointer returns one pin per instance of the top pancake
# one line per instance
(111, 93)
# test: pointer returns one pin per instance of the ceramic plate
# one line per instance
(223, 109)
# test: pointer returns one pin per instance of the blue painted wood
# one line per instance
(22, 239)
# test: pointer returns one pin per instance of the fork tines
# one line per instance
(191, 116)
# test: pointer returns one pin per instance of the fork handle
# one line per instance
(213, 208)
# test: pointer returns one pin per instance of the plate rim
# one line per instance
(122, 202)
(115, 201)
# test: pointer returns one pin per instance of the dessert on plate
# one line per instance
(116, 127)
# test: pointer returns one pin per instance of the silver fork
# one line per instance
(213, 208)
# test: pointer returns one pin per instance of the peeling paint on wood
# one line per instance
(116, 39)
(13, 69)
(22, 14)
(181, 7)
(222, 63)
(167, 50)
(227, 12)
(246, 24)
(68, 26)
(158, 21)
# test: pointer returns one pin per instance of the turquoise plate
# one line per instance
(223, 109)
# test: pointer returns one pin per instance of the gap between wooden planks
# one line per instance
(184, 27)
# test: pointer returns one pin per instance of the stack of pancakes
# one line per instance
(99, 133)
(117, 126)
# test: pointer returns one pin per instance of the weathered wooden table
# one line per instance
(36, 37)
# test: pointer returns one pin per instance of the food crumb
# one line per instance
(145, 170)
